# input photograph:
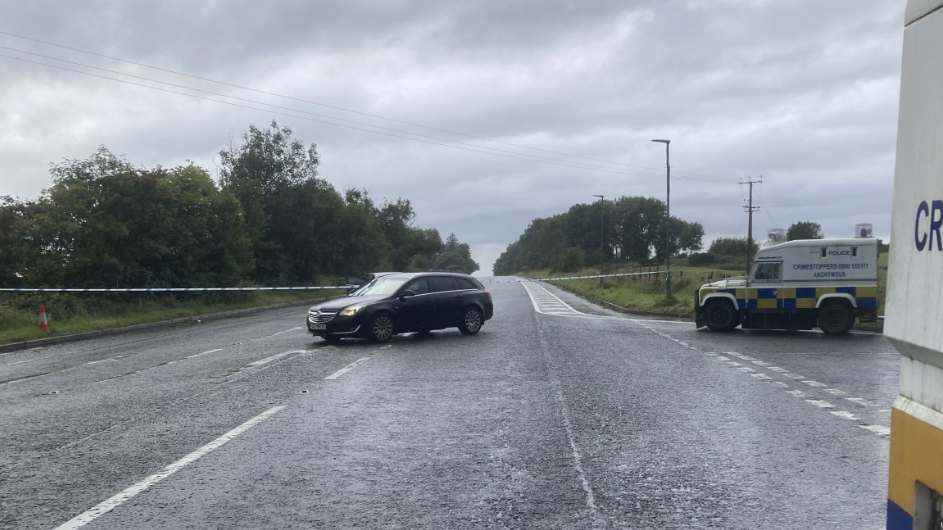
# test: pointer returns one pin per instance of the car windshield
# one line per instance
(381, 287)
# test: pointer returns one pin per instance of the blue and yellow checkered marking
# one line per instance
(915, 456)
(794, 297)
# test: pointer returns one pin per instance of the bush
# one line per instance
(701, 259)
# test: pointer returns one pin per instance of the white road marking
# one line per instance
(861, 401)
(275, 357)
(347, 368)
(877, 429)
(286, 331)
(822, 404)
(568, 426)
(130, 492)
(207, 352)
(844, 414)
(641, 321)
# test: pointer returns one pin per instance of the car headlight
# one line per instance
(350, 311)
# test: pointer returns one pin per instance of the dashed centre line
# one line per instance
(207, 352)
(347, 368)
(117, 500)
(275, 357)
(880, 430)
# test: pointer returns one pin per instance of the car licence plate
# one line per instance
(317, 327)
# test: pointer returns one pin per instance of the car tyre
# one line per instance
(835, 318)
(721, 316)
(381, 327)
(472, 320)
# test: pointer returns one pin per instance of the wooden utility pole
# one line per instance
(750, 209)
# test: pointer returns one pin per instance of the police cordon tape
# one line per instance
(172, 289)
(294, 288)
(623, 274)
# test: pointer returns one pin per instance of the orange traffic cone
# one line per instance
(43, 323)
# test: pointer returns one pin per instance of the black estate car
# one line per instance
(404, 302)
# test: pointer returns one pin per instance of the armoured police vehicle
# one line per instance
(914, 322)
(802, 284)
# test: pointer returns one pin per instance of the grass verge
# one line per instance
(80, 312)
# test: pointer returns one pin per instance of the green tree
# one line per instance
(804, 230)
(263, 173)
(731, 246)
(104, 223)
(454, 248)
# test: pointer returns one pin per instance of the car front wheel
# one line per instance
(471, 321)
(381, 327)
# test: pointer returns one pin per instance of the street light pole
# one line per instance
(602, 251)
(667, 218)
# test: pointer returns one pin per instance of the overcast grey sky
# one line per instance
(802, 92)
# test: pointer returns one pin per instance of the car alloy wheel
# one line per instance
(381, 329)
(472, 321)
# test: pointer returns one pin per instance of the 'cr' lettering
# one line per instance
(935, 215)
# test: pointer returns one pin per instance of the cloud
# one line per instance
(801, 92)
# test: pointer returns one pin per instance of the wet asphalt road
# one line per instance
(554, 416)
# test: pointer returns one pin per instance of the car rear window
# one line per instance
(465, 283)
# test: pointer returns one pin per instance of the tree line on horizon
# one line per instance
(270, 220)
(633, 229)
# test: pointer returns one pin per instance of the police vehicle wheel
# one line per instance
(721, 316)
(835, 318)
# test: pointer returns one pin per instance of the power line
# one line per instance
(474, 147)
(233, 85)
(257, 102)
(519, 156)
(766, 208)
